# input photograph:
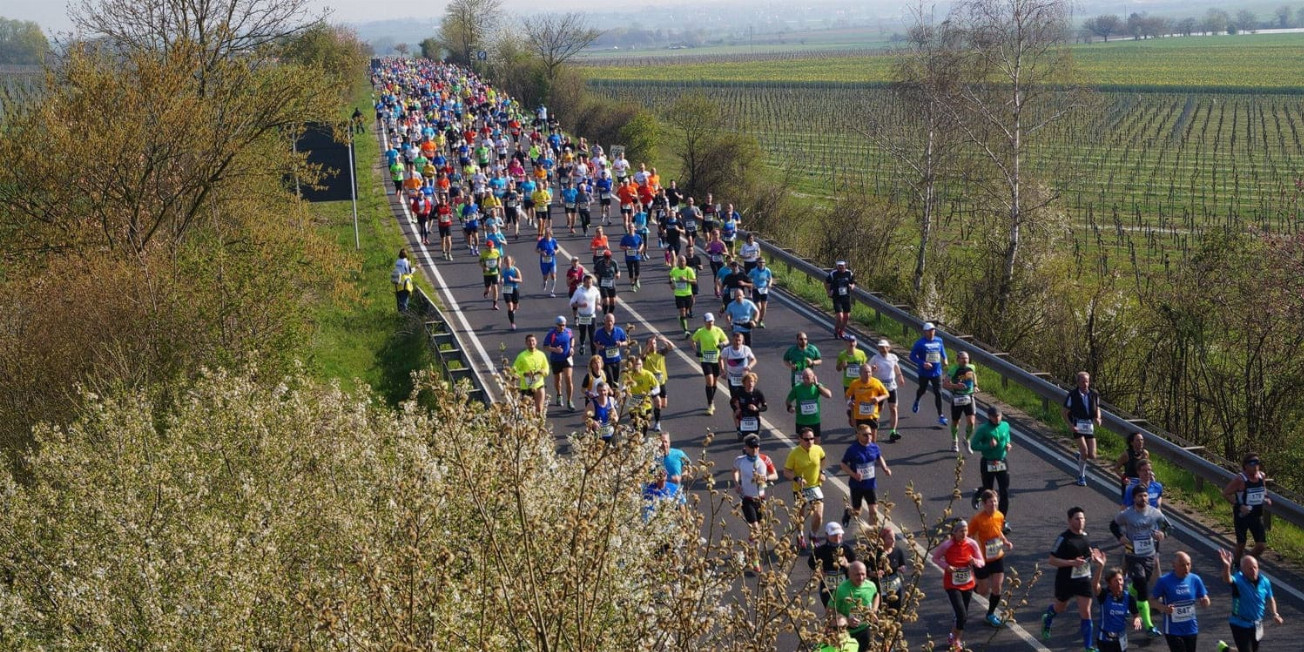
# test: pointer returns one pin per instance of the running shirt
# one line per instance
(655, 362)
(709, 341)
(511, 279)
(1249, 599)
(986, 529)
(963, 375)
(806, 464)
(489, 259)
(609, 343)
(682, 280)
(750, 252)
(750, 469)
(851, 361)
(800, 358)
(603, 411)
(1072, 546)
(742, 314)
(547, 248)
(806, 402)
(531, 366)
(961, 558)
(929, 351)
(641, 385)
(1115, 616)
(735, 363)
(564, 339)
(885, 369)
(863, 459)
(1182, 595)
(630, 242)
(864, 397)
(761, 280)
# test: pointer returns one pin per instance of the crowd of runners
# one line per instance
(463, 157)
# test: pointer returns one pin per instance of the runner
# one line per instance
(1082, 413)
(1116, 604)
(444, 217)
(1140, 528)
(715, 254)
(489, 263)
(887, 369)
(860, 462)
(738, 361)
(833, 557)
(674, 461)
(569, 202)
(929, 356)
(857, 600)
(690, 216)
(805, 467)
(584, 302)
(849, 362)
(531, 367)
(742, 315)
(1252, 599)
(801, 355)
(593, 376)
(584, 204)
(1126, 464)
(401, 277)
(890, 569)
(1147, 484)
(731, 279)
(707, 342)
(632, 245)
(1176, 596)
(604, 414)
(654, 359)
(541, 198)
(640, 389)
(598, 244)
(607, 272)
(610, 339)
(762, 282)
(673, 232)
(962, 381)
(804, 401)
(574, 277)
(958, 556)
(547, 248)
(750, 478)
(731, 221)
(865, 397)
(992, 441)
(471, 228)
(750, 252)
(682, 278)
(512, 209)
(838, 284)
(1248, 494)
(559, 343)
(748, 403)
(1071, 557)
(988, 528)
(511, 282)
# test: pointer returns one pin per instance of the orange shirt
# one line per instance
(628, 193)
(598, 243)
(864, 397)
(986, 530)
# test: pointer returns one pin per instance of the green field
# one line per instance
(1247, 62)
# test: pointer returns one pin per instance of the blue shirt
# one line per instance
(761, 277)
(1114, 615)
(1155, 491)
(547, 249)
(604, 186)
(652, 495)
(741, 312)
(498, 240)
(1182, 595)
(610, 340)
(630, 242)
(1249, 599)
(569, 195)
(859, 457)
(511, 279)
(674, 462)
(921, 351)
(564, 338)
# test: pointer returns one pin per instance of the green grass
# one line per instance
(363, 338)
(1204, 499)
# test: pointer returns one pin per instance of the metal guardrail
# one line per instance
(1196, 460)
(444, 344)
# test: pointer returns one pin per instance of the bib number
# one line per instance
(1183, 613)
(735, 381)
(1081, 572)
(545, 259)
(491, 263)
(995, 466)
(606, 431)
(761, 292)
(961, 399)
(607, 283)
(1144, 546)
(812, 494)
(749, 424)
(993, 548)
(892, 584)
(611, 352)
(962, 576)
(809, 408)
(1085, 427)
(933, 357)
(842, 291)
(710, 356)
(866, 472)
(584, 320)
(681, 285)
(1254, 497)
(853, 371)
(867, 408)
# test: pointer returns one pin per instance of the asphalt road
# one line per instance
(1042, 487)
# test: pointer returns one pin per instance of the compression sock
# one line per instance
(1085, 628)
(993, 601)
(1143, 607)
(1082, 465)
(1049, 616)
(656, 413)
(955, 430)
(683, 323)
(710, 394)
(511, 316)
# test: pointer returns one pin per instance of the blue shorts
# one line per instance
(547, 268)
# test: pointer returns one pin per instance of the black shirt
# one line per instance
(1070, 546)
(840, 279)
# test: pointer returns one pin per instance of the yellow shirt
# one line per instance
(656, 363)
(709, 341)
(640, 384)
(806, 464)
(864, 397)
(682, 280)
(532, 367)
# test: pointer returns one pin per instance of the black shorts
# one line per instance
(841, 304)
(512, 297)
(990, 568)
(1070, 588)
(861, 496)
(711, 369)
(872, 423)
(1248, 525)
(692, 234)
(1139, 570)
(527, 203)
(684, 303)
(470, 228)
(528, 393)
(558, 367)
(663, 392)
(757, 297)
(753, 509)
(445, 230)
(626, 209)
(509, 215)
(607, 293)
(605, 201)
(891, 397)
(958, 411)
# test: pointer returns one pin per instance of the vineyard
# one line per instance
(1137, 173)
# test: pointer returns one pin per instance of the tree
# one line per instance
(556, 38)
(1216, 21)
(22, 42)
(1104, 25)
(1247, 21)
(1187, 26)
(712, 158)
(401, 49)
(466, 28)
(1021, 83)
(1299, 17)
(1283, 16)
(431, 49)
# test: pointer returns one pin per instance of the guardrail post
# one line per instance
(1199, 484)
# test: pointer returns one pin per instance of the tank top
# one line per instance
(1253, 495)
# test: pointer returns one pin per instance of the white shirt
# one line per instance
(588, 296)
(748, 470)
(735, 360)
(885, 369)
(750, 252)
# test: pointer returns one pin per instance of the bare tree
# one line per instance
(1104, 26)
(1247, 21)
(467, 26)
(1021, 83)
(1283, 16)
(557, 38)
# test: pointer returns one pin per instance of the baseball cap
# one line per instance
(841, 263)
(930, 326)
(752, 441)
(561, 320)
(833, 528)
(884, 343)
(708, 317)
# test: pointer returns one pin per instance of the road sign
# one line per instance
(482, 55)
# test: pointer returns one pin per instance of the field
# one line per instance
(1138, 172)
(1266, 62)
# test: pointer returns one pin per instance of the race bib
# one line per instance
(717, 258)
(993, 548)
(749, 424)
(545, 259)
(607, 283)
(831, 581)
(961, 399)
(812, 494)
(995, 466)
(866, 471)
(681, 285)
(1254, 497)
(933, 357)
(1144, 546)
(809, 407)
(961, 576)
(892, 584)
(710, 356)
(1081, 572)
(761, 292)
(796, 378)
(1183, 613)
(866, 408)
(570, 205)
(584, 320)
(852, 370)
(611, 352)
(491, 263)
(1085, 427)
(606, 431)
(735, 381)
(842, 291)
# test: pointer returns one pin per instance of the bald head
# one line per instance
(1181, 564)
(856, 573)
(1250, 567)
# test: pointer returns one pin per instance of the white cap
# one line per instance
(708, 317)
(833, 528)
(884, 343)
(929, 326)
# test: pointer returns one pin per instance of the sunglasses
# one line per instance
(808, 439)
(1252, 463)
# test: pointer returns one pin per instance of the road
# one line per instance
(1042, 487)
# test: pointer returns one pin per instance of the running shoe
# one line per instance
(710, 409)
(894, 437)
(1154, 632)
(559, 400)
(1007, 529)
(993, 620)
(552, 295)
(943, 421)
(513, 326)
(656, 427)
(846, 516)
(760, 324)
(1223, 647)
(968, 446)
(1082, 481)
(1045, 627)
(915, 408)
(955, 446)
(801, 542)
(570, 405)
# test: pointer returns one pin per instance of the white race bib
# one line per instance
(607, 283)
(1254, 496)
(611, 352)
(1081, 572)
(545, 259)
(584, 320)
(710, 356)
(812, 494)
(961, 399)
(749, 424)
(842, 291)
(866, 471)
(866, 408)
(995, 466)
(892, 584)
(852, 370)
(760, 292)
(809, 407)
(933, 357)
(1183, 613)
(681, 285)
(1085, 427)
(717, 258)
(961, 576)
(1144, 546)
(606, 431)
(491, 263)
(735, 381)
(993, 548)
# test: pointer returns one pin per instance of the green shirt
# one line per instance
(981, 440)
(806, 401)
(709, 341)
(849, 597)
(682, 281)
(966, 375)
(852, 362)
(532, 367)
(800, 359)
